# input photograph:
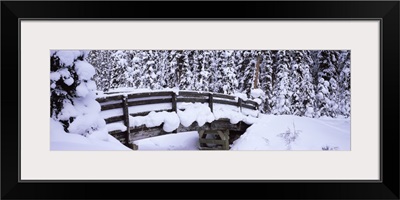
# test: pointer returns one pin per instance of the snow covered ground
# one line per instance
(62, 141)
(287, 132)
(270, 132)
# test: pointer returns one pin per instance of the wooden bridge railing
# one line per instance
(138, 99)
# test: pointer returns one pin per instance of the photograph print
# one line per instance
(276, 100)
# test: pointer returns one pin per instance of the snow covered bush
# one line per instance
(72, 94)
(290, 136)
(329, 148)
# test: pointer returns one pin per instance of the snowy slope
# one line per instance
(313, 134)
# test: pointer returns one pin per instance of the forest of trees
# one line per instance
(310, 83)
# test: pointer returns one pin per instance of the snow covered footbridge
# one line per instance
(134, 116)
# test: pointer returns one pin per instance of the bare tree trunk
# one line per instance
(255, 85)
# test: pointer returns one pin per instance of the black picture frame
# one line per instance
(386, 11)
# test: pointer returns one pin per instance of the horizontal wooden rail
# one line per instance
(109, 98)
(149, 94)
(193, 94)
(111, 106)
(149, 102)
(224, 96)
(114, 119)
(192, 100)
(221, 101)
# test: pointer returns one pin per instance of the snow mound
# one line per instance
(67, 57)
(153, 119)
(288, 132)
(256, 93)
(198, 112)
(233, 113)
(60, 140)
(258, 101)
(116, 126)
(240, 95)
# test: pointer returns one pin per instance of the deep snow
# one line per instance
(60, 140)
(267, 133)
(313, 134)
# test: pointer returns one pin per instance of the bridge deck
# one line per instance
(142, 132)
(126, 101)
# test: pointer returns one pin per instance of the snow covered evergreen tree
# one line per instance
(246, 70)
(305, 90)
(344, 84)
(73, 94)
(228, 82)
(150, 69)
(171, 73)
(186, 69)
(266, 81)
(327, 87)
(282, 92)
(119, 64)
(101, 61)
(296, 105)
(134, 69)
(197, 68)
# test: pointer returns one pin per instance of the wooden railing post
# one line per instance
(210, 101)
(240, 104)
(126, 119)
(174, 107)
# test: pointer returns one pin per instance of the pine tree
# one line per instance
(187, 75)
(214, 73)
(327, 86)
(282, 93)
(266, 81)
(197, 67)
(344, 80)
(296, 106)
(100, 60)
(119, 64)
(246, 71)
(306, 89)
(72, 89)
(228, 81)
(134, 69)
